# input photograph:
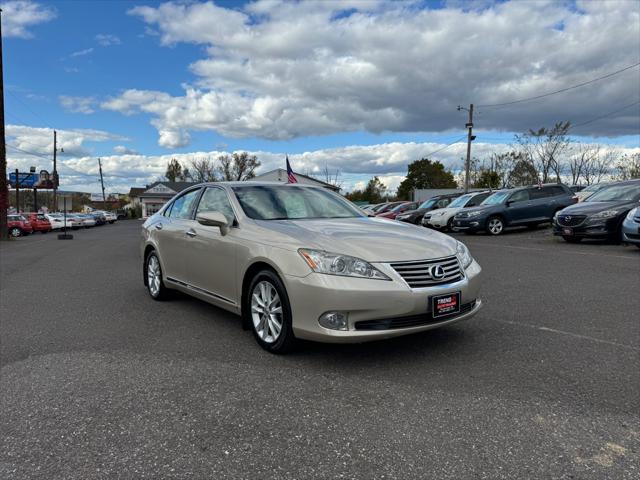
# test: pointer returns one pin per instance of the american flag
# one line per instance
(291, 178)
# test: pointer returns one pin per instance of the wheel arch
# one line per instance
(251, 271)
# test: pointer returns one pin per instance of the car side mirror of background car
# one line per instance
(213, 219)
(508, 203)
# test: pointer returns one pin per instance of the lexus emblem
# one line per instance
(567, 218)
(437, 272)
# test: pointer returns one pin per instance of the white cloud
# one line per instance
(19, 15)
(122, 150)
(107, 39)
(39, 141)
(82, 53)
(77, 104)
(280, 70)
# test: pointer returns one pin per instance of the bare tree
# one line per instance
(544, 149)
(237, 167)
(203, 170)
(326, 175)
(581, 162)
(628, 167)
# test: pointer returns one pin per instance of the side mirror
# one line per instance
(214, 219)
(509, 203)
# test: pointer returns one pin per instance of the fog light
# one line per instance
(475, 224)
(333, 320)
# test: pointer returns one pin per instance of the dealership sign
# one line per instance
(31, 180)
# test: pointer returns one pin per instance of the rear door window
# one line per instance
(538, 193)
(519, 196)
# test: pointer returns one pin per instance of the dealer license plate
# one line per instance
(444, 305)
(567, 231)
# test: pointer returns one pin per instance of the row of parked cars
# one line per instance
(606, 211)
(20, 224)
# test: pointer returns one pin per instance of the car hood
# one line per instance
(589, 208)
(481, 208)
(372, 239)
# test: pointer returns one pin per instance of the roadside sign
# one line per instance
(27, 180)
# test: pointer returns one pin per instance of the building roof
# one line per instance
(136, 191)
(165, 189)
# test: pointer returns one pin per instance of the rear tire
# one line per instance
(153, 277)
(268, 311)
(495, 225)
(572, 239)
(450, 225)
(15, 232)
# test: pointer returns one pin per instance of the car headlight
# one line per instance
(464, 255)
(632, 213)
(475, 213)
(343, 265)
(438, 214)
(605, 214)
(402, 217)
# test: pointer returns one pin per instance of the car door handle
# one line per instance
(191, 233)
(158, 226)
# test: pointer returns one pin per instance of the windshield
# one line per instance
(460, 201)
(399, 208)
(276, 202)
(615, 193)
(496, 198)
(429, 203)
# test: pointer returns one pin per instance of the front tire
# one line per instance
(268, 312)
(15, 232)
(153, 277)
(495, 226)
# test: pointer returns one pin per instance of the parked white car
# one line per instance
(442, 218)
(110, 217)
(57, 221)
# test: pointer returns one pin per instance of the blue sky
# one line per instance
(176, 78)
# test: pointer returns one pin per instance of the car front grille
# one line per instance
(418, 273)
(411, 321)
(570, 220)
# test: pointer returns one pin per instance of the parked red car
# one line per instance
(398, 209)
(18, 225)
(39, 222)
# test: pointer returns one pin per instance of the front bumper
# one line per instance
(472, 224)
(631, 232)
(596, 229)
(437, 222)
(364, 299)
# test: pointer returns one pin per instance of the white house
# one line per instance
(157, 194)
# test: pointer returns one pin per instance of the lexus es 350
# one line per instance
(302, 262)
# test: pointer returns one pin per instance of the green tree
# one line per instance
(488, 179)
(374, 192)
(174, 170)
(424, 173)
(523, 173)
(237, 167)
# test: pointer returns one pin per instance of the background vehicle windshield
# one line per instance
(496, 198)
(289, 203)
(460, 201)
(593, 188)
(428, 203)
(616, 193)
(398, 208)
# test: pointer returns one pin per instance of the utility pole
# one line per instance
(17, 191)
(55, 170)
(104, 200)
(470, 138)
(4, 191)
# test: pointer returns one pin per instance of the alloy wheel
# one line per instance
(266, 312)
(153, 275)
(15, 232)
(495, 226)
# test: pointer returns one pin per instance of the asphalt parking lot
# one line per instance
(99, 381)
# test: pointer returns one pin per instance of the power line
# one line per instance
(613, 112)
(446, 146)
(35, 115)
(561, 90)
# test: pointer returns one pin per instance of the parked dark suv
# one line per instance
(523, 206)
(601, 215)
(439, 201)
